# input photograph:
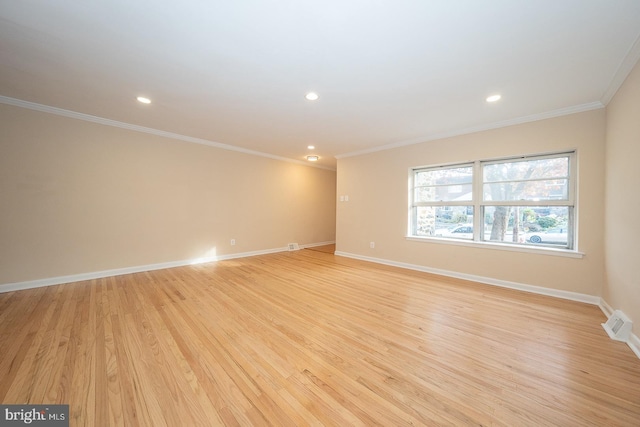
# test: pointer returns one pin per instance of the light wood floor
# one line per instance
(307, 338)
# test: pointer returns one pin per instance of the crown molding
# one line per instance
(473, 129)
(136, 128)
(626, 65)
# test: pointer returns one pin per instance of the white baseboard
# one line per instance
(313, 245)
(573, 296)
(634, 344)
(17, 286)
(606, 308)
(633, 341)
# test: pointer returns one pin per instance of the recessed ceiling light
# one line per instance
(312, 158)
(311, 96)
(311, 147)
(493, 98)
(143, 100)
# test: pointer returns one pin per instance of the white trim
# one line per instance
(573, 296)
(313, 245)
(623, 70)
(473, 129)
(114, 123)
(499, 246)
(606, 308)
(18, 286)
(633, 342)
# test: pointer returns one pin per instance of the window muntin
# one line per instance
(524, 201)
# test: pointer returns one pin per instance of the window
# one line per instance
(442, 196)
(523, 201)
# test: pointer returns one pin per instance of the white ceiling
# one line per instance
(387, 72)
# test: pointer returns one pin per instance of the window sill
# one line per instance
(500, 246)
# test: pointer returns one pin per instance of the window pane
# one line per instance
(556, 189)
(445, 221)
(425, 217)
(444, 193)
(537, 225)
(542, 179)
(443, 184)
(444, 176)
(557, 167)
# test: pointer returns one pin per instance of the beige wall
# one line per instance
(79, 197)
(622, 220)
(377, 210)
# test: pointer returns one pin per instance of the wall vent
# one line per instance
(618, 326)
(293, 247)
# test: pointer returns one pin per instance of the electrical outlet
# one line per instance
(372, 245)
(233, 242)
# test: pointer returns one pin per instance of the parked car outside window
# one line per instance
(463, 231)
(552, 235)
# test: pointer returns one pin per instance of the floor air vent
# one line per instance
(618, 326)
(294, 247)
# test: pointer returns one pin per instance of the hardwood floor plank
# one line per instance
(60, 345)
(18, 334)
(308, 338)
(29, 372)
(82, 394)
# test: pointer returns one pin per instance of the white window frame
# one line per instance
(413, 212)
(479, 206)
